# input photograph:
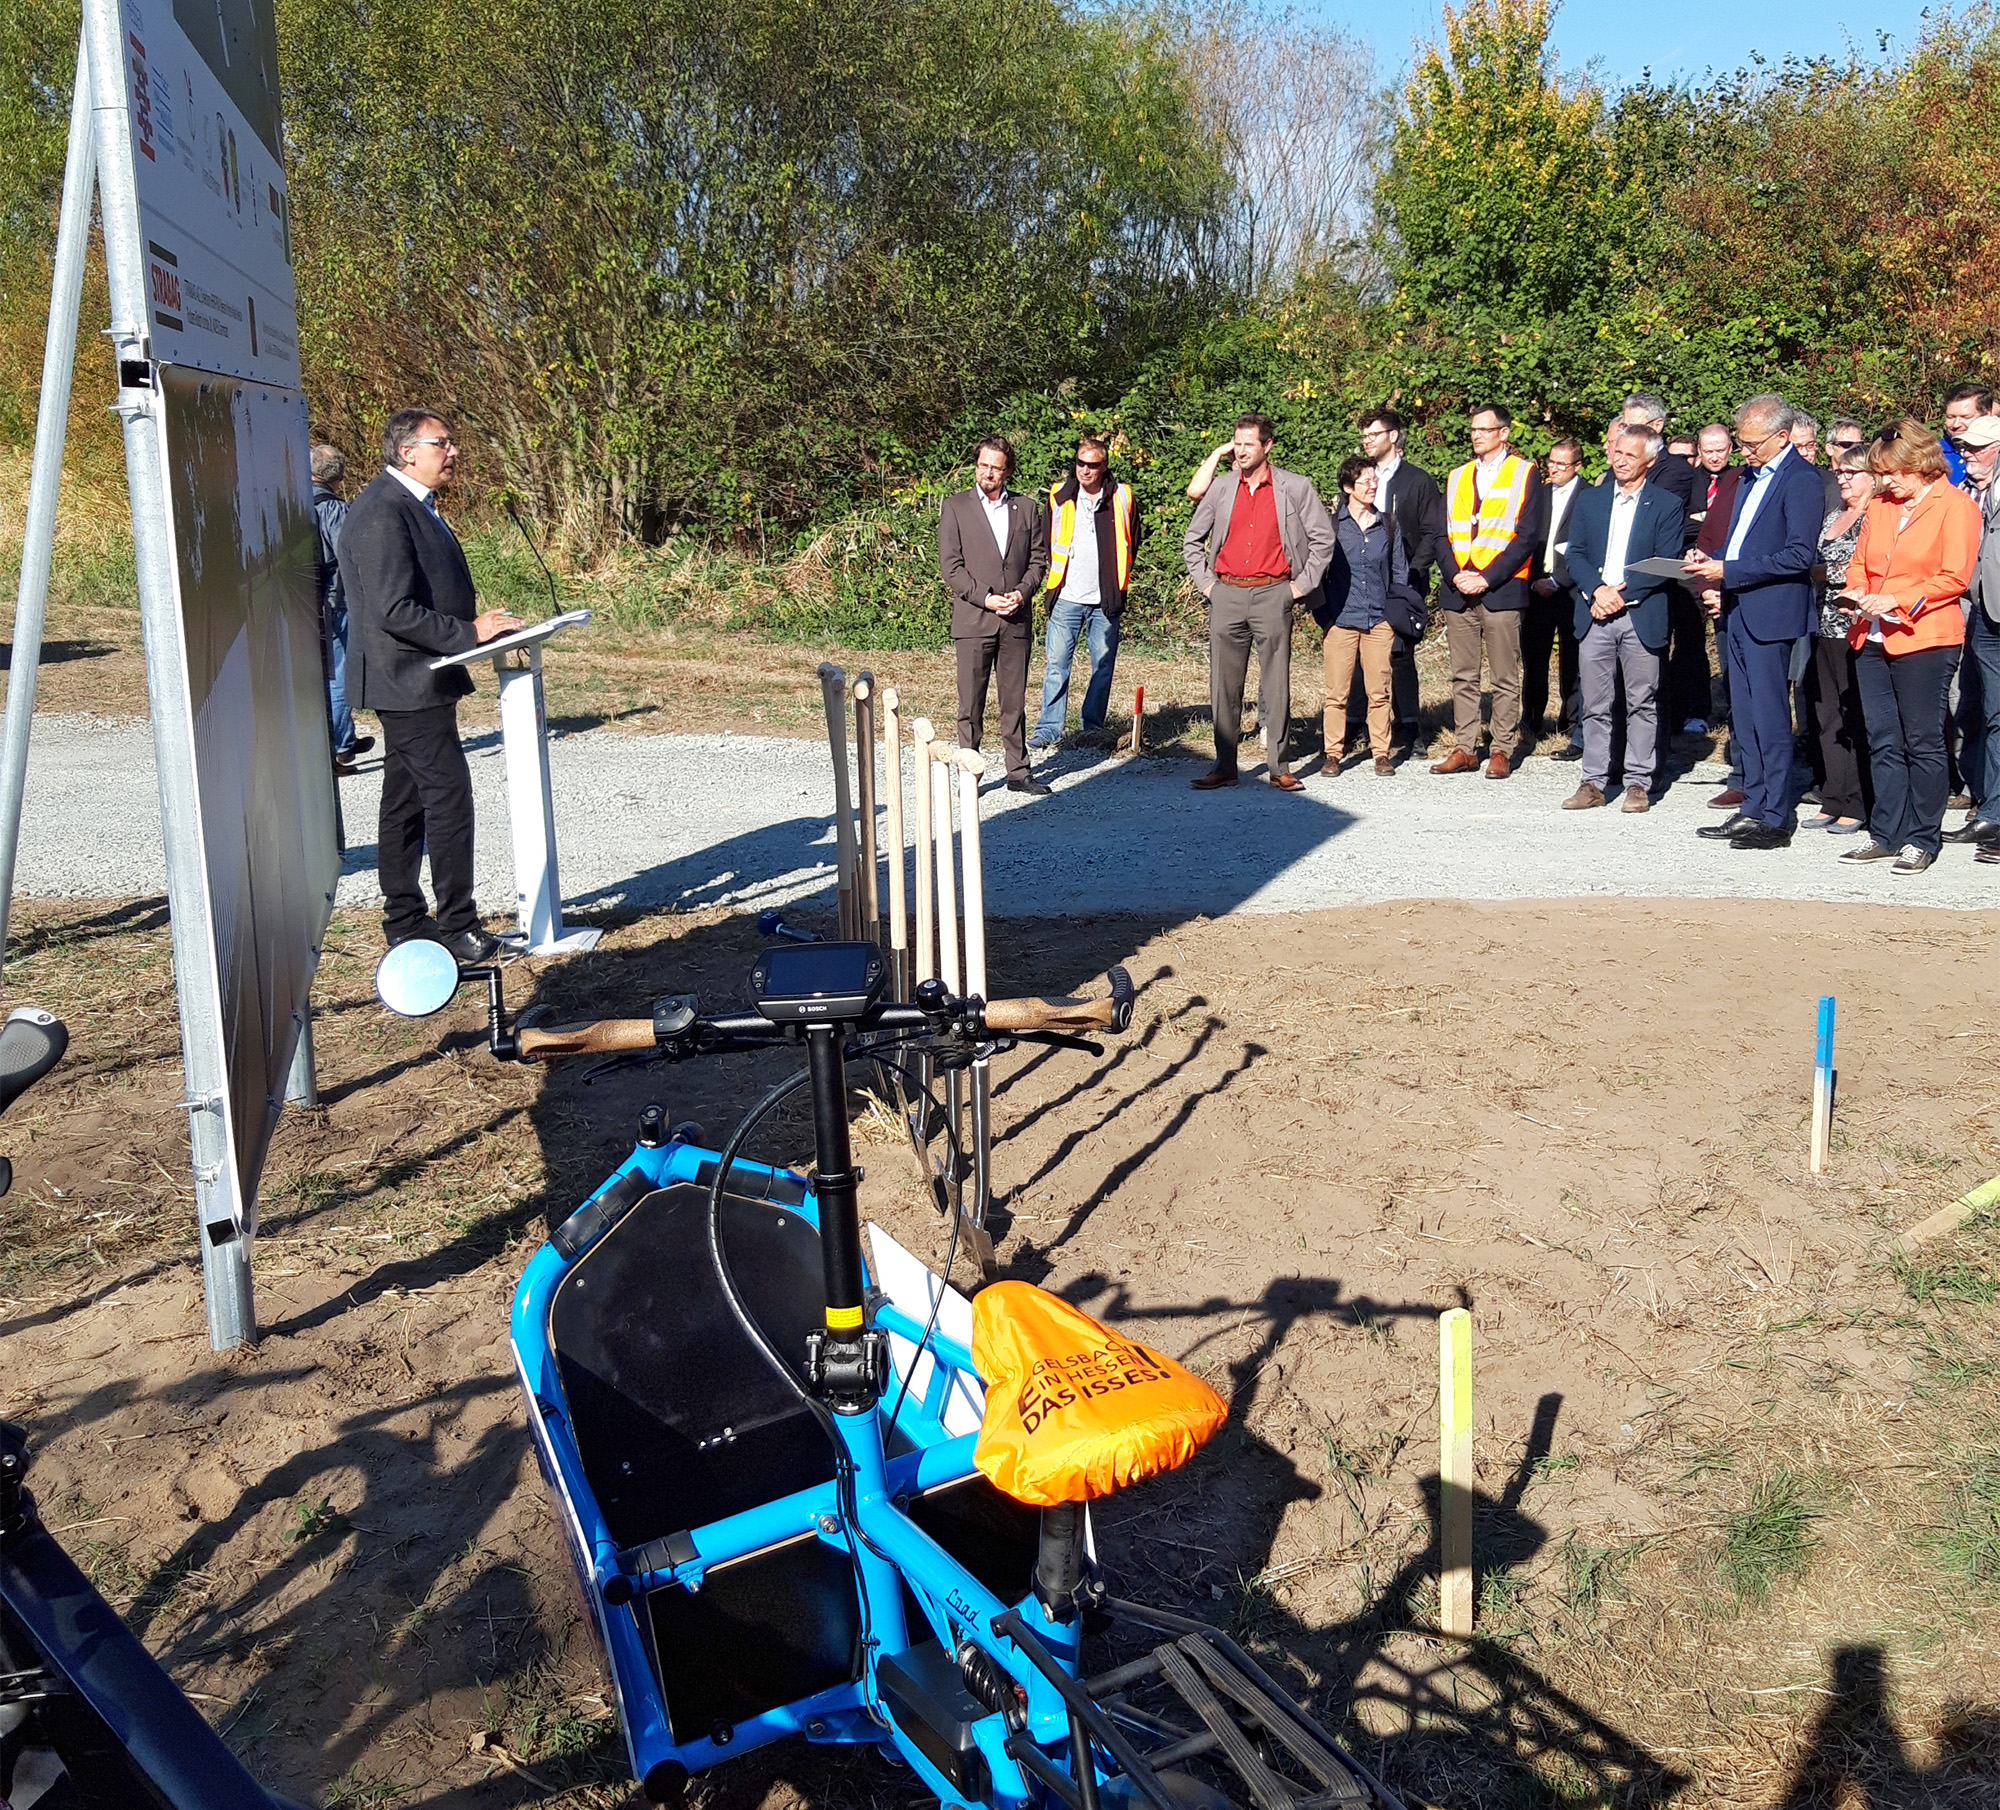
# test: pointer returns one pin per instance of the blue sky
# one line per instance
(1679, 39)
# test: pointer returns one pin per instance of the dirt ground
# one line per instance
(1739, 1531)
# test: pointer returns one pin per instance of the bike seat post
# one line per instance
(1059, 1561)
(847, 1364)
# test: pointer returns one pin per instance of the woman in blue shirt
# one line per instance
(1368, 558)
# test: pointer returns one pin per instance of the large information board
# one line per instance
(249, 741)
(235, 456)
(208, 160)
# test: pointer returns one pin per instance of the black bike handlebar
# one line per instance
(675, 1029)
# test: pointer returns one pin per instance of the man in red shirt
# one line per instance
(1258, 545)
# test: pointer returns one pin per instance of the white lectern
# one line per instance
(524, 736)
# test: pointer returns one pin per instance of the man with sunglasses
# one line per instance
(1093, 535)
(1964, 403)
(410, 600)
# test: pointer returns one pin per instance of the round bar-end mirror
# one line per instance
(416, 978)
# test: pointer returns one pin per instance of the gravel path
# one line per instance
(744, 821)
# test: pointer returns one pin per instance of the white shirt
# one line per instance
(1384, 472)
(1624, 512)
(423, 493)
(1082, 582)
(996, 519)
(1484, 471)
(1760, 487)
(1558, 498)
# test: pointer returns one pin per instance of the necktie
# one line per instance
(1714, 484)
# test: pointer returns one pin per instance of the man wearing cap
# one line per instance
(1979, 672)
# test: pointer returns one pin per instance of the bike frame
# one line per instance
(139, 1740)
(894, 1560)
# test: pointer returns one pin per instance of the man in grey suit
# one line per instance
(1258, 547)
(993, 553)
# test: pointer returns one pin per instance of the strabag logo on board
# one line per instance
(163, 276)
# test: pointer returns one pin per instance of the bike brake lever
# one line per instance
(636, 1059)
(1056, 1040)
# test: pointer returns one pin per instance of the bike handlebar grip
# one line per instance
(601, 1037)
(1113, 1014)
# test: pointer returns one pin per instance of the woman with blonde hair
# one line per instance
(1918, 546)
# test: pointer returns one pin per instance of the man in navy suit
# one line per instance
(1761, 587)
(1622, 615)
(410, 598)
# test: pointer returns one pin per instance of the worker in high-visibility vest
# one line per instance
(1093, 534)
(1496, 513)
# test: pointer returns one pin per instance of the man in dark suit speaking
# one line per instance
(1761, 587)
(993, 553)
(409, 601)
(1621, 615)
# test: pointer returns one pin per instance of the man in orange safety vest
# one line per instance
(1496, 514)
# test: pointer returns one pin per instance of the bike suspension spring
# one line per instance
(988, 1680)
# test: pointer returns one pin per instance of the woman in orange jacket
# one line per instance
(1911, 566)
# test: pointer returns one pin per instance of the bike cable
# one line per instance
(937, 1301)
(725, 1161)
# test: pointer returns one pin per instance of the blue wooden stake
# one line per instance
(1822, 1121)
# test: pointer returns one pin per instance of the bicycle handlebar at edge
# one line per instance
(966, 1017)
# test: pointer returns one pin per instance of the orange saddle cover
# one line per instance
(1074, 1410)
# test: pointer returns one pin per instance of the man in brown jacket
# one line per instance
(993, 553)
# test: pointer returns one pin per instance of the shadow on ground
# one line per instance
(1856, 1757)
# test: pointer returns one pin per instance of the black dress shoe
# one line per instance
(1568, 751)
(1974, 829)
(471, 948)
(1721, 832)
(1762, 835)
(359, 745)
(1031, 785)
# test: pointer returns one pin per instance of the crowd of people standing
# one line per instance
(1854, 605)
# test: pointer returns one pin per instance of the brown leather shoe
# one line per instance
(1286, 783)
(1386, 767)
(1214, 780)
(1457, 761)
(1499, 766)
(1585, 798)
(1635, 801)
(1731, 800)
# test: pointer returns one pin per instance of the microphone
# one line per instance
(514, 516)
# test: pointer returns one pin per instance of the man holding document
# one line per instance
(1617, 529)
(1762, 590)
